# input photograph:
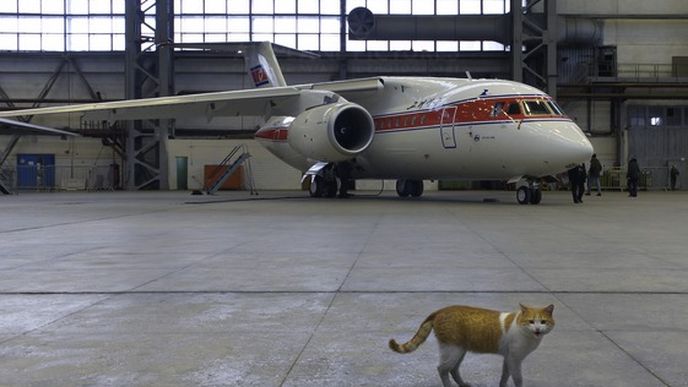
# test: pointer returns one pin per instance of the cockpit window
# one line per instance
(497, 109)
(535, 108)
(514, 109)
(555, 108)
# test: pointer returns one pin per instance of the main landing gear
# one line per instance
(529, 194)
(323, 186)
(407, 187)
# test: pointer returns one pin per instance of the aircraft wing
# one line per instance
(249, 102)
(274, 101)
(349, 86)
(19, 127)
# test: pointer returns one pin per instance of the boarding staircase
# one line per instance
(238, 156)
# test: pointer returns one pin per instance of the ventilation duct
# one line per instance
(364, 25)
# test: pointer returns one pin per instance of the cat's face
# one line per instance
(538, 321)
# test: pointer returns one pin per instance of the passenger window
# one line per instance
(514, 109)
(535, 108)
(422, 119)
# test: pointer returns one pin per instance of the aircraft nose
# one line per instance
(561, 145)
(575, 148)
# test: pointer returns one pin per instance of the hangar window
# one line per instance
(656, 116)
(640, 116)
(673, 116)
(99, 25)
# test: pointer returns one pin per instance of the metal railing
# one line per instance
(648, 71)
(652, 178)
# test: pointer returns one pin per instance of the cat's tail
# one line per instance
(422, 334)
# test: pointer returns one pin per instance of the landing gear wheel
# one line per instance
(403, 188)
(523, 195)
(316, 187)
(416, 188)
(535, 196)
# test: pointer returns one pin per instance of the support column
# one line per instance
(149, 72)
(516, 41)
(537, 64)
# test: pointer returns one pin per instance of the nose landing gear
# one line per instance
(529, 194)
(407, 187)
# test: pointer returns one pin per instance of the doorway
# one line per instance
(447, 127)
(182, 173)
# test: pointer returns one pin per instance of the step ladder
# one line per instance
(227, 167)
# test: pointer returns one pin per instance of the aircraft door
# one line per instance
(447, 127)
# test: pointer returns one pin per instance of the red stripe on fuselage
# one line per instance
(477, 111)
(474, 111)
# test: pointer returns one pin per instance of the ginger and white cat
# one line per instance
(463, 328)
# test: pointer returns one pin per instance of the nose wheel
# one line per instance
(406, 187)
(526, 195)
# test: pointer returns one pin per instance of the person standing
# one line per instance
(594, 175)
(674, 175)
(582, 176)
(343, 171)
(632, 176)
(577, 181)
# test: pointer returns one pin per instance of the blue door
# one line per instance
(35, 171)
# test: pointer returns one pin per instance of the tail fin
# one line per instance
(422, 334)
(262, 66)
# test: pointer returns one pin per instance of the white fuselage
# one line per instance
(446, 128)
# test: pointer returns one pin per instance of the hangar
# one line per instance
(113, 274)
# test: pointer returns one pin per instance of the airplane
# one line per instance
(388, 127)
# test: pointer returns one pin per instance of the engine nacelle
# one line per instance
(333, 132)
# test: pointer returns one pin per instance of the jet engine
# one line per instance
(333, 132)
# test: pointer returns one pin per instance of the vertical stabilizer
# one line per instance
(262, 66)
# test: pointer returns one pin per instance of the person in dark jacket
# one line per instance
(674, 175)
(633, 176)
(582, 177)
(577, 181)
(343, 171)
(594, 175)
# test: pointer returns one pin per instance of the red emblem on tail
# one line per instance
(260, 77)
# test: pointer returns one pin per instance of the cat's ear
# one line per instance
(523, 308)
(549, 309)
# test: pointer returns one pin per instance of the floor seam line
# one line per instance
(58, 319)
(329, 306)
(633, 358)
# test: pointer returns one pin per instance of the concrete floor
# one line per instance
(145, 289)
